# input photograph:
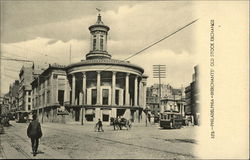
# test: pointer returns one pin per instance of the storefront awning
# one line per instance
(89, 111)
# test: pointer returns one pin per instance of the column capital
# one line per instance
(127, 74)
(83, 74)
(98, 72)
(73, 75)
(114, 72)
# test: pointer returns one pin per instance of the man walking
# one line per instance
(34, 132)
(100, 125)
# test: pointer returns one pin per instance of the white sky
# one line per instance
(43, 31)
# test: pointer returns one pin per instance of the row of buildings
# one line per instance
(97, 87)
(184, 100)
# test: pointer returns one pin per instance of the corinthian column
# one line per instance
(84, 87)
(73, 89)
(136, 92)
(144, 94)
(113, 87)
(127, 90)
(140, 93)
(98, 86)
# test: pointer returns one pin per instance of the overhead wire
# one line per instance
(151, 45)
(33, 51)
(129, 57)
(14, 59)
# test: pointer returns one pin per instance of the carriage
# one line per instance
(119, 123)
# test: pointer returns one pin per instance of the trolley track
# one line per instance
(65, 132)
(16, 146)
(1, 149)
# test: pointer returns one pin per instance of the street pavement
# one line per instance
(74, 141)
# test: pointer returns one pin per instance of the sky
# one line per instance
(43, 31)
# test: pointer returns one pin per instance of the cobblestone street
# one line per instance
(76, 141)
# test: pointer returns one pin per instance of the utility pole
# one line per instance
(70, 54)
(159, 71)
(38, 81)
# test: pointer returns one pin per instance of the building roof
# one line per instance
(109, 62)
(99, 23)
(179, 98)
(44, 75)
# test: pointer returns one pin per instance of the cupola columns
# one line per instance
(98, 40)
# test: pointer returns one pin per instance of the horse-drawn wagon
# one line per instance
(119, 123)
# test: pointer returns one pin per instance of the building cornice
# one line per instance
(107, 62)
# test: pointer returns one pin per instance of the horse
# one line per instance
(119, 123)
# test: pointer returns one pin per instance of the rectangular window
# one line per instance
(44, 99)
(105, 96)
(116, 97)
(36, 101)
(94, 44)
(48, 97)
(29, 99)
(101, 44)
(105, 118)
(94, 94)
(29, 107)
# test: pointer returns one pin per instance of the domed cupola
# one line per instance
(98, 40)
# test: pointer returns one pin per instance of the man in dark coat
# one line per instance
(100, 125)
(34, 132)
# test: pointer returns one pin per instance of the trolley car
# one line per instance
(171, 119)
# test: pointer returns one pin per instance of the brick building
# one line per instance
(192, 98)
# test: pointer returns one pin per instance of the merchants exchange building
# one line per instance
(96, 88)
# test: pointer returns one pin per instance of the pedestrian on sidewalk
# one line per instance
(34, 132)
(100, 125)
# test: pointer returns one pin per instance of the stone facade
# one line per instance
(48, 91)
(96, 88)
(102, 87)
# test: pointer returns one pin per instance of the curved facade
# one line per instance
(101, 87)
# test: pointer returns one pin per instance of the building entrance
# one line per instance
(60, 97)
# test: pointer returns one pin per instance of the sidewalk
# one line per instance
(16, 145)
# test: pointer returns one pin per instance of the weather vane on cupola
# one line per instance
(99, 19)
(99, 33)
(99, 10)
